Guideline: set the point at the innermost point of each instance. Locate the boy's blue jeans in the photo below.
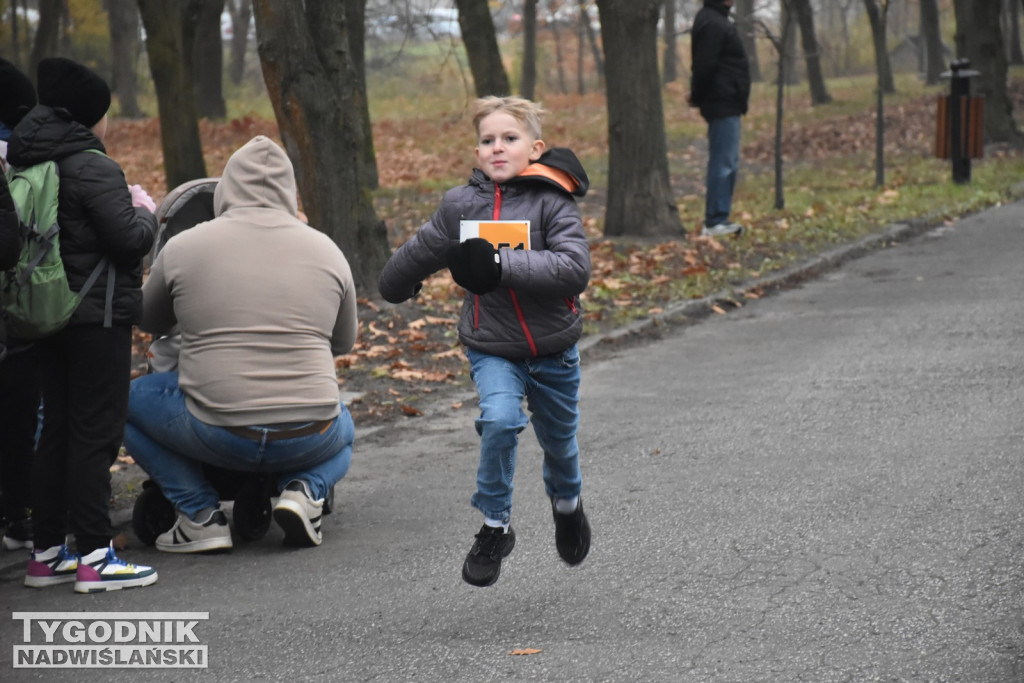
(172, 445)
(723, 167)
(550, 385)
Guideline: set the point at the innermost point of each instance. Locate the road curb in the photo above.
(689, 312)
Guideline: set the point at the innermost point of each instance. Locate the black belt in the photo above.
(257, 433)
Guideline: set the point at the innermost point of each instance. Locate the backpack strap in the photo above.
(108, 306)
(108, 309)
(47, 238)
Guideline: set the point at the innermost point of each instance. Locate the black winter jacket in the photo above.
(10, 234)
(720, 84)
(95, 212)
(10, 245)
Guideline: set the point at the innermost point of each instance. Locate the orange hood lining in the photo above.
(564, 180)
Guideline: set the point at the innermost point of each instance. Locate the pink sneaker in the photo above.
(56, 564)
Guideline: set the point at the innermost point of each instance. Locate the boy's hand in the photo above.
(475, 265)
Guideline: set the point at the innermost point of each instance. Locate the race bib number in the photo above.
(512, 234)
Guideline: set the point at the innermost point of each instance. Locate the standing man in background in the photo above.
(720, 87)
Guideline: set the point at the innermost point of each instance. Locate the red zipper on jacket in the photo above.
(511, 292)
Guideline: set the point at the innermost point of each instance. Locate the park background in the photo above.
(825, 159)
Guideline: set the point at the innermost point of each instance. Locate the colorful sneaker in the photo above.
(187, 536)
(483, 563)
(299, 515)
(18, 535)
(102, 570)
(56, 564)
(572, 534)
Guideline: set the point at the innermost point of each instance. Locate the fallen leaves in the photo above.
(888, 197)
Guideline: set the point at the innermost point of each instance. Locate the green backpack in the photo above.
(34, 295)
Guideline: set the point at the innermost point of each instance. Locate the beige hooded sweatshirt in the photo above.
(263, 302)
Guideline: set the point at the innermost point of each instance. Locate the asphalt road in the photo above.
(823, 485)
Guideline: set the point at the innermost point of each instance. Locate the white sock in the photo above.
(564, 506)
(494, 523)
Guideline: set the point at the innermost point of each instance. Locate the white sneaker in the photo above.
(299, 515)
(721, 230)
(187, 536)
(102, 570)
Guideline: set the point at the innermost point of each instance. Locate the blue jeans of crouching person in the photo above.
(172, 445)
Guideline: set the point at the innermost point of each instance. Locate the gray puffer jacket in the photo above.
(535, 311)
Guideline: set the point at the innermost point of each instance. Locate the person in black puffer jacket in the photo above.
(19, 384)
(19, 97)
(86, 367)
(10, 246)
(720, 87)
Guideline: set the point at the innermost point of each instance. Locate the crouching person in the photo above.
(263, 303)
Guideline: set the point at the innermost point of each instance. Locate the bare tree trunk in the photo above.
(241, 14)
(876, 17)
(310, 68)
(481, 41)
(788, 53)
(812, 52)
(979, 39)
(592, 39)
(640, 200)
(879, 134)
(745, 23)
(581, 85)
(559, 60)
(355, 21)
(847, 52)
(47, 40)
(670, 71)
(528, 83)
(780, 42)
(66, 30)
(1011, 22)
(16, 57)
(179, 127)
(123, 19)
(208, 59)
(932, 38)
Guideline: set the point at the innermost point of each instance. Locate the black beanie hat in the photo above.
(77, 88)
(18, 94)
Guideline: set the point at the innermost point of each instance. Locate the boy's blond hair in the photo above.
(522, 110)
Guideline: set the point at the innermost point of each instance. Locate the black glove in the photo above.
(475, 265)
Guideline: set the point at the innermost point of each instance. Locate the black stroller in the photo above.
(252, 493)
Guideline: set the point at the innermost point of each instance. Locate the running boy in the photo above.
(513, 238)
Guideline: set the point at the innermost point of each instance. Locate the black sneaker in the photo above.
(483, 564)
(572, 534)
